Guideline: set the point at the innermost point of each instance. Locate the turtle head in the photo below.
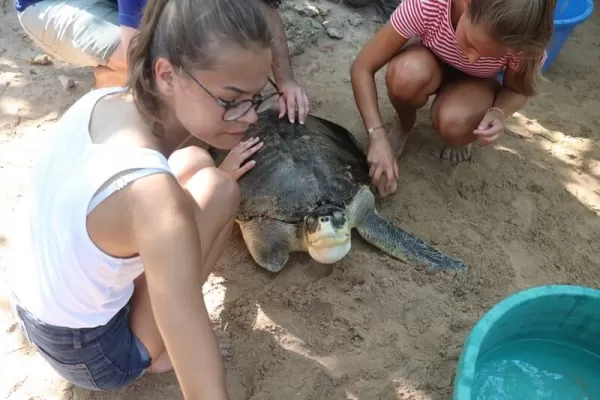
(327, 234)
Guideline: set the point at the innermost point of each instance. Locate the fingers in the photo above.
(249, 147)
(392, 184)
(302, 106)
(245, 145)
(282, 106)
(381, 186)
(490, 135)
(294, 99)
(291, 107)
(377, 175)
(395, 168)
(243, 169)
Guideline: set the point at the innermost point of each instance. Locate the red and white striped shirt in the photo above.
(430, 21)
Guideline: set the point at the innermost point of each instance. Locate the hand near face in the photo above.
(234, 161)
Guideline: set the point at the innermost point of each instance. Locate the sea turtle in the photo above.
(309, 188)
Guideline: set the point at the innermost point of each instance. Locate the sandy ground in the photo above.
(525, 212)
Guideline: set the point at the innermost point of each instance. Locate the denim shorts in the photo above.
(101, 358)
(80, 32)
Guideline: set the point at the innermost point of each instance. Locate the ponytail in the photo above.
(140, 80)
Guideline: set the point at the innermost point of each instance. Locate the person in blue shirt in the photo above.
(97, 33)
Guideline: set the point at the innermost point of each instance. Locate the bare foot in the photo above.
(224, 338)
(456, 154)
(398, 138)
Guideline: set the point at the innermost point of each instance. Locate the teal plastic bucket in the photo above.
(540, 343)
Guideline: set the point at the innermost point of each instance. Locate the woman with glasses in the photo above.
(122, 233)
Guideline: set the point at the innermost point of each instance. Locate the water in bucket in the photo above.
(537, 369)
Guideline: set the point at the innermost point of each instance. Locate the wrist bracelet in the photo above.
(496, 109)
(371, 130)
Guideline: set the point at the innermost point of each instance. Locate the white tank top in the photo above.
(58, 274)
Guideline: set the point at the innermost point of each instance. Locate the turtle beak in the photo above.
(327, 231)
(328, 235)
(329, 244)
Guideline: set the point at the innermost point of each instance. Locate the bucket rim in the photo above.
(579, 18)
(463, 382)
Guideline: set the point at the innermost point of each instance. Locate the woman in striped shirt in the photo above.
(453, 49)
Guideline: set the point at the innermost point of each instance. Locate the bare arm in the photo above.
(377, 52)
(169, 243)
(281, 65)
(507, 99)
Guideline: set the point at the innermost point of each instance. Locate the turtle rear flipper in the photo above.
(270, 241)
(403, 245)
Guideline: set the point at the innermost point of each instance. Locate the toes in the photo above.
(225, 342)
(223, 334)
(456, 155)
(445, 155)
(468, 151)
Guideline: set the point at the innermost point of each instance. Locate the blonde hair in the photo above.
(190, 34)
(524, 25)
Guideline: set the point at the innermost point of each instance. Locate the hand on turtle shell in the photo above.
(234, 161)
(383, 165)
(294, 98)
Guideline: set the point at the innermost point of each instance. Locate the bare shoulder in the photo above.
(116, 120)
(150, 204)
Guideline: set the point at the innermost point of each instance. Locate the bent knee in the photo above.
(455, 125)
(215, 186)
(414, 72)
(184, 163)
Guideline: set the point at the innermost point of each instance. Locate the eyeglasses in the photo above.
(237, 109)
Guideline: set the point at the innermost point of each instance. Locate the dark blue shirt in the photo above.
(130, 11)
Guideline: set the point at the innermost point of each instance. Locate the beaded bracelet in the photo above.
(496, 109)
(371, 130)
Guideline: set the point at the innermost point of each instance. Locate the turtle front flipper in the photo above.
(270, 241)
(393, 240)
(404, 245)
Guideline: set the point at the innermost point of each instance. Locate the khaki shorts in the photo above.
(79, 32)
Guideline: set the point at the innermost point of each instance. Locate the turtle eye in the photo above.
(338, 215)
(311, 223)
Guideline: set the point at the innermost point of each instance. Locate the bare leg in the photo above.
(114, 73)
(457, 111)
(412, 76)
(187, 161)
(217, 196)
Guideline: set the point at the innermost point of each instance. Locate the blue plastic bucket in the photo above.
(567, 15)
(539, 343)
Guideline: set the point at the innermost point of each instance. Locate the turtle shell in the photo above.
(300, 167)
